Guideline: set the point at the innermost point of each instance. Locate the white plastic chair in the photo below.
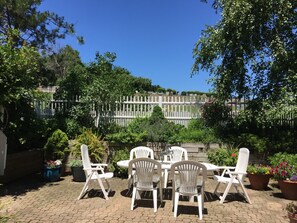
(92, 175)
(139, 152)
(189, 180)
(236, 177)
(147, 177)
(177, 154)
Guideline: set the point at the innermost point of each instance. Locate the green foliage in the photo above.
(75, 163)
(121, 154)
(253, 142)
(18, 73)
(280, 157)
(258, 169)
(285, 171)
(39, 29)
(249, 52)
(223, 156)
(95, 145)
(127, 137)
(196, 132)
(56, 146)
(157, 115)
(62, 63)
(215, 113)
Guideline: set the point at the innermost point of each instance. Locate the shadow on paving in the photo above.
(23, 185)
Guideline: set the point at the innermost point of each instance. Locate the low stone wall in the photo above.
(21, 164)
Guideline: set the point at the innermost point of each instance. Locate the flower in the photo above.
(52, 164)
(259, 169)
(285, 171)
(223, 156)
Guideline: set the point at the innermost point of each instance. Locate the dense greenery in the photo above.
(226, 156)
(56, 146)
(251, 51)
(96, 146)
(38, 29)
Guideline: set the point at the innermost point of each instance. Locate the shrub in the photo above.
(56, 146)
(95, 145)
(122, 154)
(278, 158)
(253, 141)
(223, 156)
(215, 114)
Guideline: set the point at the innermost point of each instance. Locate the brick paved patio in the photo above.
(32, 200)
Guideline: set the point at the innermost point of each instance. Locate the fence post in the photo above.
(160, 101)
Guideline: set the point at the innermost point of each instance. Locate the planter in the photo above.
(78, 174)
(292, 217)
(259, 181)
(51, 174)
(288, 189)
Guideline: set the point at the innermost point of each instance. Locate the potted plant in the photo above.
(291, 208)
(286, 175)
(259, 176)
(52, 170)
(56, 148)
(77, 170)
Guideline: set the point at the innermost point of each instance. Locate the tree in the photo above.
(61, 63)
(36, 28)
(251, 52)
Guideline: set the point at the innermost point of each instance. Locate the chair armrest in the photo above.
(226, 169)
(236, 172)
(99, 164)
(93, 168)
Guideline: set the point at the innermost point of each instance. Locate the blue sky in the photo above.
(152, 38)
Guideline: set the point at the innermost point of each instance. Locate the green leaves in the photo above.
(250, 50)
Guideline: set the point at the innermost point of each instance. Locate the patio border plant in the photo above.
(226, 156)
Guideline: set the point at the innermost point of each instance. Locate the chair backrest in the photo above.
(85, 158)
(242, 162)
(145, 169)
(190, 175)
(178, 153)
(141, 152)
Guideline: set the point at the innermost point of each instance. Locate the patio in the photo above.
(32, 200)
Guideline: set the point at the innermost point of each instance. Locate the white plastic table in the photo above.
(166, 165)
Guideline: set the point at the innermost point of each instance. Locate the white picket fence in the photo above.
(176, 108)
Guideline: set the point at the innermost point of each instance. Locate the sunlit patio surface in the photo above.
(33, 200)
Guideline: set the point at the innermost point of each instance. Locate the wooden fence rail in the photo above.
(176, 108)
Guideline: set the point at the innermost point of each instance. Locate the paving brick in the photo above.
(32, 200)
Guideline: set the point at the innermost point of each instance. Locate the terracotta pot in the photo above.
(288, 189)
(259, 181)
(292, 217)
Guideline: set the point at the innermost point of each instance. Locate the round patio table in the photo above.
(166, 165)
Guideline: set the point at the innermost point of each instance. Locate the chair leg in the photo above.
(199, 198)
(216, 189)
(226, 190)
(133, 197)
(161, 194)
(85, 188)
(101, 186)
(176, 198)
(244, 191)
(165, 178)
(155, 197)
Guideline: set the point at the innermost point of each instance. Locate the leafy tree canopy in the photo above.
(36, 28)
(18, 72)
(252, 51)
